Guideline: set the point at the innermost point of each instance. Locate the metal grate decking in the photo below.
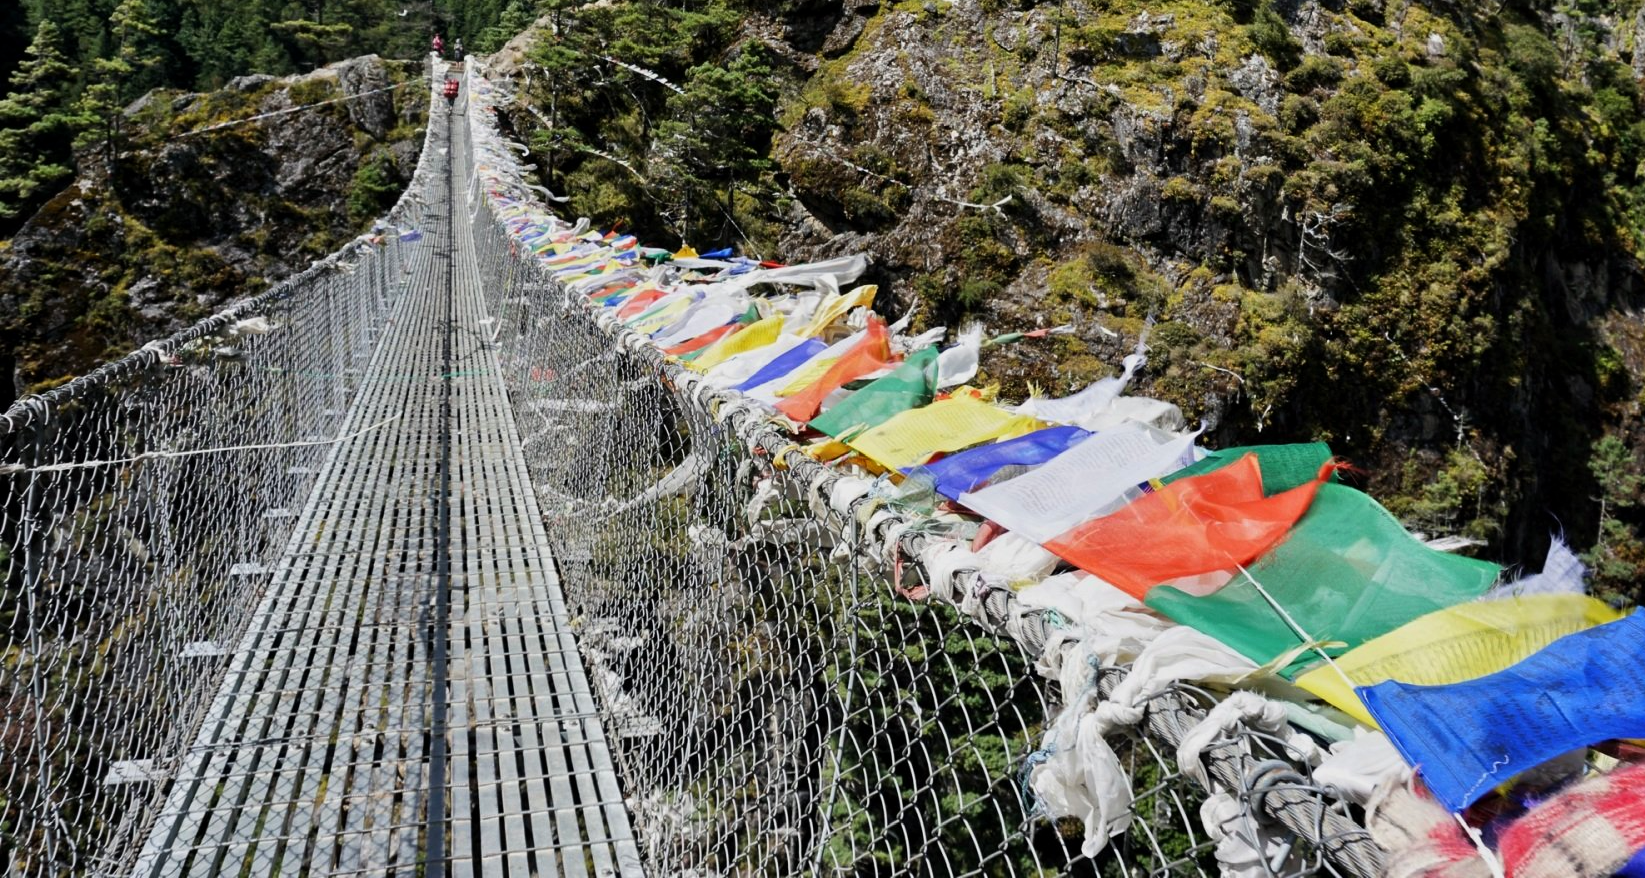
(413, 637)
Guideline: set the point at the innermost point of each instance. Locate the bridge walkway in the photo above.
(412, 640)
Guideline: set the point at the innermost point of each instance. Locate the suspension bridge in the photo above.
(418, 564)
(399, 680)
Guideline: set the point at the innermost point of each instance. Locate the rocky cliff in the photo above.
(1413, 230)
(188, 218)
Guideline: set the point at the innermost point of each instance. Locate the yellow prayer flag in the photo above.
(1458, 643)
(827, 450)
(950, 424)
(686, 251)
(835, 307)
(807, 375)
(662, 317)
(757, 335)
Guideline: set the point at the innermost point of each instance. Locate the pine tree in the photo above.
(718, 138)
(114, 79)
(37, 130)
(1618, 555)
(515, 18)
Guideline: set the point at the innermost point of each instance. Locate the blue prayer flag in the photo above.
(1468, 737)
(958, 473)
(784, 364)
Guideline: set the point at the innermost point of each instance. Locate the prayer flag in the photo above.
(966, 471)
(911, 385)
(1468, 737)
(1206, 524)
(945, 425)
(866, 356)
(1283, 466)
(757, 335)
(1347, 572)
(1094, 477)
(1455, 644)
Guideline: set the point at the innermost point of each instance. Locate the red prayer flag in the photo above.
(702, 341)
(638, 304)
(1191, 527)
(864, 357)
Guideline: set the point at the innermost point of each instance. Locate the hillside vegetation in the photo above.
(127, 219)
(176, 224)
(1411, 230)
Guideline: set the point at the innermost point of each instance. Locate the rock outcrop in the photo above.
(1410, 230)
(188, 220)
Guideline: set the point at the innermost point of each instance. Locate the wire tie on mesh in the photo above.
(1025, 780)
(1264, 778)
(13, 469)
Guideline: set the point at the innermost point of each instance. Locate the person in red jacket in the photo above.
(439, 46)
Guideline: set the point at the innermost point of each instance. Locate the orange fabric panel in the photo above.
(702, 341)
(638, 304)
(1191, 527)
(864, 357)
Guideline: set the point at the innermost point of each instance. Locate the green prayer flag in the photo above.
(1283, 466)
(1347, 573)
(909, 386)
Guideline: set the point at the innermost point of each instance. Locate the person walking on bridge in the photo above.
(457, 49)
(439, 47)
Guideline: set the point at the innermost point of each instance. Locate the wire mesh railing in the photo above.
(141, 507)
(777, 701)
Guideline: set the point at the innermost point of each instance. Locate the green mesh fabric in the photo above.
(1283, 466)
(1348, 572)
(909, 386)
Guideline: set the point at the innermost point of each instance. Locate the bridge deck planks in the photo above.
(314, 757)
